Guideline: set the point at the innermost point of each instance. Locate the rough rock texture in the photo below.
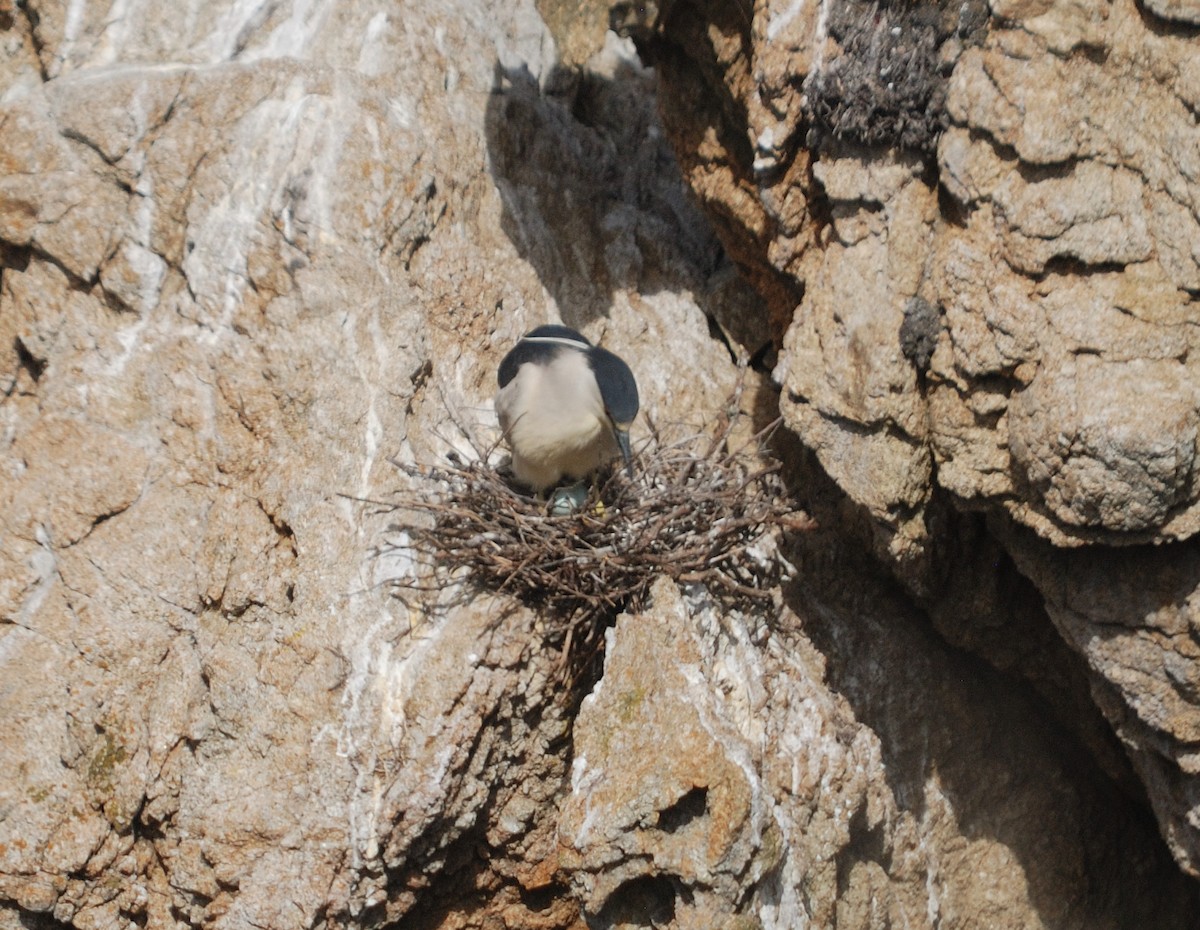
(998, 270)
(249, 253)
(719, 780)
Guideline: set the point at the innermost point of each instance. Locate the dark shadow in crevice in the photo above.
(30, 920)
(687, 810)
(33, 365)
(1163, 28)
(701, 51)
(989, 748)
(648, 901)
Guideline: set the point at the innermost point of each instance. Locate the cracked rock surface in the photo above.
(996, 278)
(248, 253)
(725, 780)
(251, 252)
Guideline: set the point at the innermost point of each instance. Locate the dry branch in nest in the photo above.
(696, 511)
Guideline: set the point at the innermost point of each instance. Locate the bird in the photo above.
(565, 407)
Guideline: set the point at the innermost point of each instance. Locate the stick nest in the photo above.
(695, 512)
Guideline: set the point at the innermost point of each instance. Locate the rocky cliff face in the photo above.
(994, 224)
(249, 253)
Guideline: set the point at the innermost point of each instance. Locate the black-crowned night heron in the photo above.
(565, 407)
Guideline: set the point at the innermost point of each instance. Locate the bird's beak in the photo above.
(622, 435)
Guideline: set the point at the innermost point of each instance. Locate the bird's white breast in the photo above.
(554, 420)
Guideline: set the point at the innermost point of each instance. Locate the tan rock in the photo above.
(1093, 457)
(1052, 241)
(251, 253)
(720, 780)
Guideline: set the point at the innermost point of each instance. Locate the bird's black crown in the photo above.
(531, 348)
